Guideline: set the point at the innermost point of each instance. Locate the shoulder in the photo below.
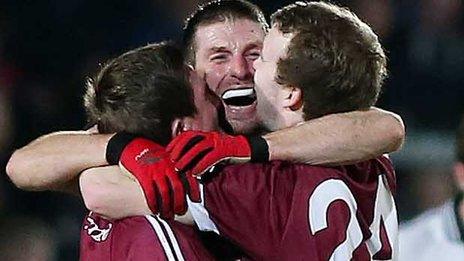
(276, 172)
(131, 227)
(288, 173)
(277, 166)
(138, 232)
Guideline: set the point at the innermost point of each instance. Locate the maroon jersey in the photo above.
(284, 211)
(139, 238)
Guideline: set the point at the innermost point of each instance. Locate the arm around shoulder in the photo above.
(339, 138)
(56, 158)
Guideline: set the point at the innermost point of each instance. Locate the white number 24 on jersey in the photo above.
(334, 189)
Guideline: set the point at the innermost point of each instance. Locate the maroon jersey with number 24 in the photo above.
(284, 211)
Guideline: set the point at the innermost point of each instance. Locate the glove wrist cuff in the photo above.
(116, 145)
(259, 149)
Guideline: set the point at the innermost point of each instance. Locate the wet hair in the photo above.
(333, 57)
(218, 11)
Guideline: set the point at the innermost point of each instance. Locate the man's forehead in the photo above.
(230, 33)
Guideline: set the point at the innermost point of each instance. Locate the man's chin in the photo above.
(245, 126)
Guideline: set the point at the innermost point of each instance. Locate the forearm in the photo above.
(56, 159)
(114, 193)
(339, 138)
(107, 192)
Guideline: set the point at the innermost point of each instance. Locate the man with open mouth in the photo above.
(222, 41)
(237, 29)
(281, 210)
(240, 104)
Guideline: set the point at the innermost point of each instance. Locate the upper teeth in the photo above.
(238, 93)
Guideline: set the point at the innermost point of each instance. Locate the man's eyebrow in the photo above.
(218, 49)
(255, 44)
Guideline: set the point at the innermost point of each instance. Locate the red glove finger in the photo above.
(191, 157)
(179, 141)
(177, 190)
(183, 142)
(194, 187)
(209, 160)
(161, 185)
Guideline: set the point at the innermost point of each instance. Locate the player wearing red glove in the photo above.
(198, 151)
(148, 162)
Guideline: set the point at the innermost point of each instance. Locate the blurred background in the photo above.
(48, 47)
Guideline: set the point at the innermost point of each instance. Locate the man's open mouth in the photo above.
(239, 97)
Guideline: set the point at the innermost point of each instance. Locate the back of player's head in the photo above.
(218, 11)
(141, 92)
(460, 142)
(334, 58)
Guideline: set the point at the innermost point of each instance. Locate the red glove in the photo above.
(164, 188)
(196, 151)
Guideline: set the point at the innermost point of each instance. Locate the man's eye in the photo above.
(218, 58)
(253, 56)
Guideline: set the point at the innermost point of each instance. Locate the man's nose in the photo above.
(241, 68)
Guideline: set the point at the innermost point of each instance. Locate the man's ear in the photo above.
(177, 126)
(294, 98)
(458, 173)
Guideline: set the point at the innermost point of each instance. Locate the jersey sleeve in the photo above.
(389, 171)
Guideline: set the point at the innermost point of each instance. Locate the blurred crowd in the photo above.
(47, 48)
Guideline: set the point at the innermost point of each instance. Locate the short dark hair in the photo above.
(460, 141)
(333, 57)
(218, 11)
(141, 92)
